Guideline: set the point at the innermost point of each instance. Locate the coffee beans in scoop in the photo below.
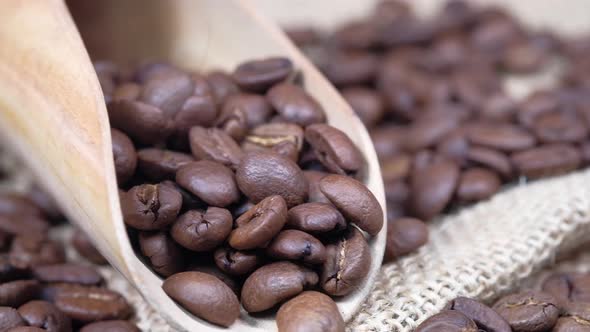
(238, 193)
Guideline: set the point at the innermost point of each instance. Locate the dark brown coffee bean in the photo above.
(45, 315)
(585, 152)
(347, 264)
(254, 107)
(404, 235)
(260, 224)
(560, 127)
(167, 92)
(275, 283)
(528, 311)
(85, 248)
(388, 140)
(124, 155)
(222, 85)
(27, 329)
(150, 206)
(29, 251)
(68, 272)
(16, 204)
(234, 284)
(202, 231)
(454, 146)
(567, 288)
(49, 291)
(572, 324)
(296, 245)
(15, 293)
(10, 318)
(165, 256)
(127, 91)
(295, 105)
(396, 168)
(236, 262)
(504, 137)
(432, 188)
(313, 180)
(534, 105)
(495, 160)
(216, 145)
(358, 205)
(110, 326)
(429, 129)
(481, 314)
(204, 296)
(262, 174)
(197, 110)
(44, 201)
(524, 58)
(366, 103)
(310, 311)
(233, 121)
(22, 224)
(144, 123)
(476, 184)
(355, 35)
(189, 201)
(350, 67)
(448, 321)
(259, 75)
(154, 70)
(498, 108)
(334, 149)
(285, 139)
(546, 160)
(89, 304)
(316, 218)
(210, 181)
(159, 165)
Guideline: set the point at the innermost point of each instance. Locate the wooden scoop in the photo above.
(53, 111)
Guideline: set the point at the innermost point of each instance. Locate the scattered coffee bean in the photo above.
(89, 304)
(15, 293)
(404, 235)
(165, 256)
(528, 311)
(111, 326)
(433, 187)
(448, 320)
(310, 311)
(85, 248)
(476, 184)
(45, 315)
(485, 317)
(204, 296)
(142, 122)
(29, 251)
(547, 160)
(68, 272)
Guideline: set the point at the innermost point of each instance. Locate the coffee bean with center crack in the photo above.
(202, 230)
(528, 311)
(150, 206)
(485, 317)
(448, 321)
(297, 246)
(216, 145)
(316, 218)
(237, 262)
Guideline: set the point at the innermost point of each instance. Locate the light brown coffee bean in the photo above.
(310, 311)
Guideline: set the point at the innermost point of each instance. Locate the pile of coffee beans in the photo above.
(39, 289)
(235, 189)
(562, 304)
(430, 90)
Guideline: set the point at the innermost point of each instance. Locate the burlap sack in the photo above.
(481, 251)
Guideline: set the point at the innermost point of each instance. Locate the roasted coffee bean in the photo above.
(255, 108)
(262, 174)
(10, 318)
(295, 105)
(259, 75)
(429, 129)
(524, 58)
(233, 283)
(165, 256)
(216, 145)
(560, 127)
(9, 272)
(234, 122)
(499, 108)
(347, 264)
(285, 139)
(159, 165)
(68, 272)
(29, 251)
(546, 160)
(89, 304)
(404, 235)
(366, 103)
(482, 315)
(144, 123)
(448, 321)
(260, 224)
(313, 180)
(476, 184)
(275, 283)
(236, 262)
(495, 160)
(454, 146)
(111, 326)
(189, 201)
(572, 324)
(222, 85)
(202, 230)
(316, 218)
(528, 311)
(210, 181)
(296, 245)
(150, 206)
(154, 70)
(15, 293)
(27, 329)
(44, 201)
(15, 204)
(567, 288)
(204, 296)
(197, 110)
(85, 248)
(347, 68)
(124, 155)
(334, 149)
(501, 137)
(388, 140)
(396, 168)
(358, 205)
(432, 188)
(15, 224)
(536, 104)
(127, 91)
(167, 92)
(310, 311)
(45, 315)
